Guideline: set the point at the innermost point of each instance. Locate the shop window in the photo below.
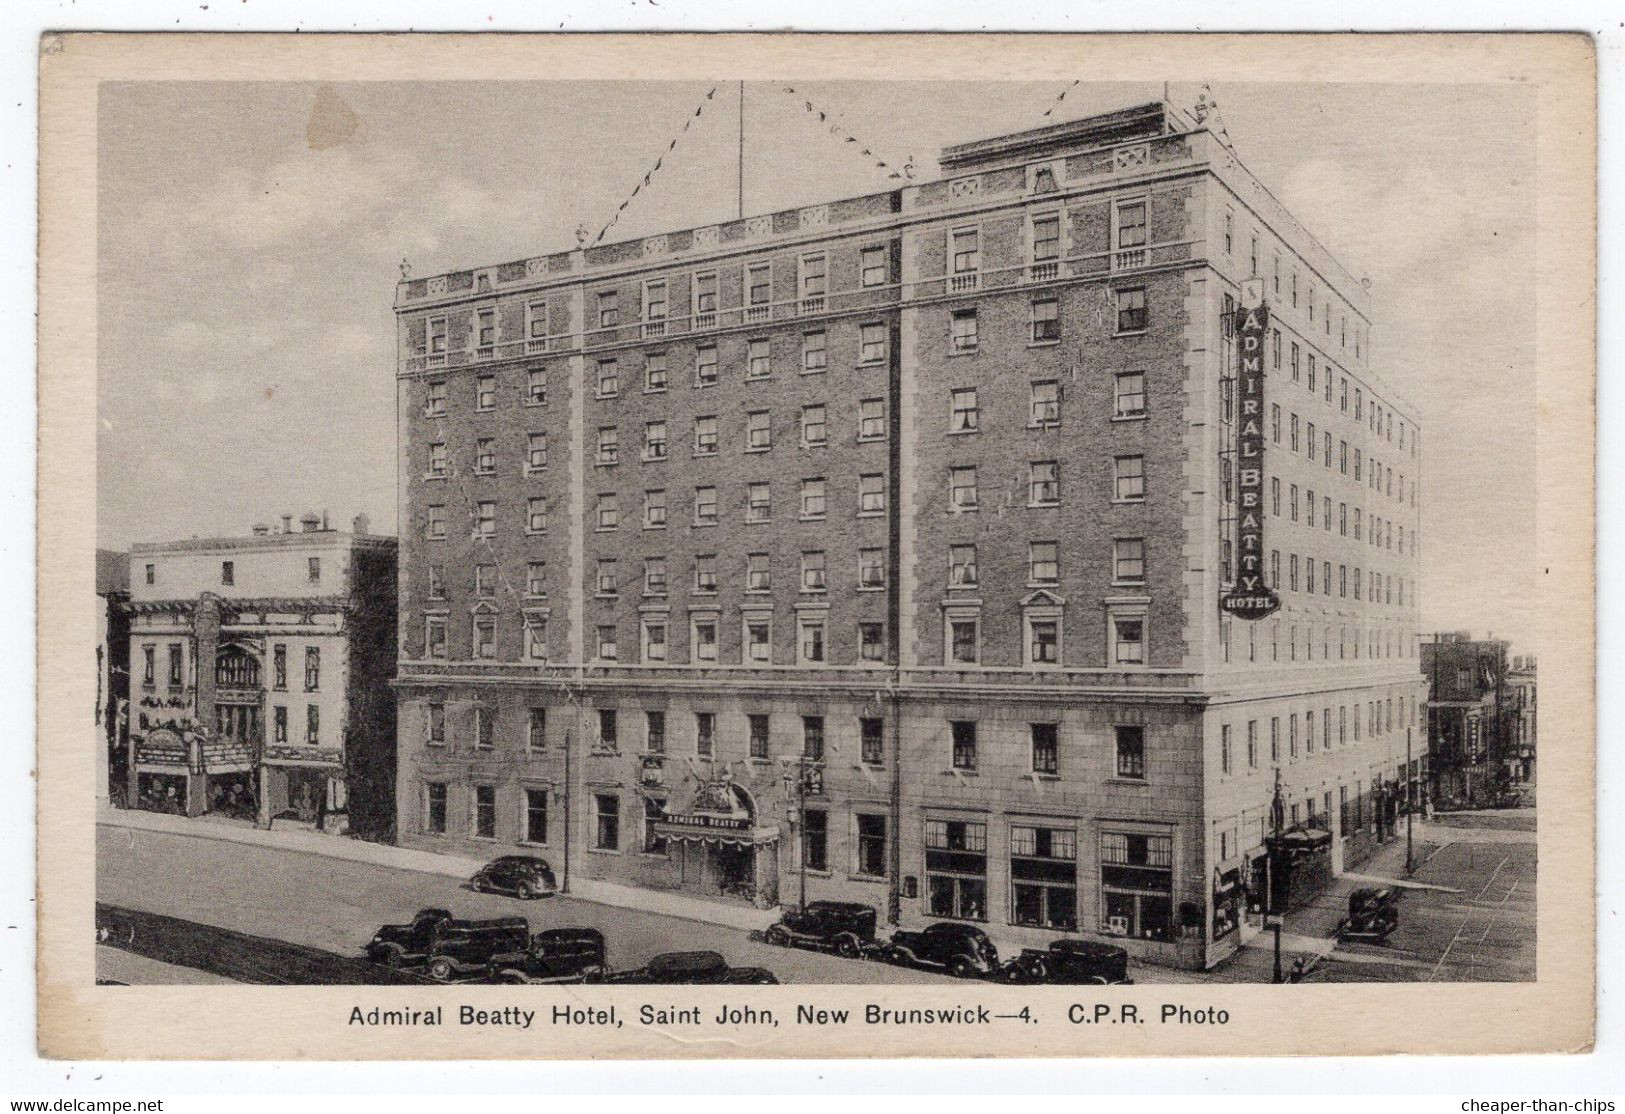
(871, 849)
(815, 839)
(956, 869)
(1044, 877)
(1136, 885)
(607, 822)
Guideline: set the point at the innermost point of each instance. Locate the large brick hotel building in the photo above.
(874, 550)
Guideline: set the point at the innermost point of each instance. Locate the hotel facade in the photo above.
(875, 551)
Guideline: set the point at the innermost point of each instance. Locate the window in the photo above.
(872, 741)
(705, 573)
(872, 641)
(758, 291)
(1046, 320)
(1043, 641)
(654, 302)
(814, 282)
(963, 639)
(814, 430)
(705, 733)
(870, 860)
(313, 669)
(434, 400)
(609, 309)
(815, 839)
(654, 732)
(872, 343)
(654, 440)
(1136, 885)
(279, 668)
(1229, 231)
(486, 327)
(152, 574)
(607, 582)
(485, 637)
(1043, 483)
(485, 581)
(963, 413)
(485, 519)
(871, 419)
(313, 724)
(1130, 742)
(1128, 561)
(608, 729)
(654, 640)
(872, 267)
(758, 637)
(871, 568)
(1046, 748)
(703, 638)
(608, 646)
(313, 570)
(871, 494)
(654, 372)
(758, 503)
(812, 571)
(609, 511)
(1130, 478)
(965, 252)
(536, 387)
(437, 459)
(1044, 877)
(705, 366)
(535, 452)
(962, 488)
(1128, 639)
(811, 643)
(1224, 749)
(607, 826)
(434, 636)
(535, 815)
(758, 735)
(705, 436)
(758, 431)
(956, 869)
(963, 734)
(962, 334)
(705, 506)
(758, 576)
(1130, 394)
(228, 572)
(814, 353)
(485, 393)
(279, 725)
(962, 566)
(434, 807)
(609, 445)
(812, 498)
(1046, 240)
(812, 738)
(1045, 403)
(654, 510)
(1131, 224)
(1043, 563)
(1131, 315)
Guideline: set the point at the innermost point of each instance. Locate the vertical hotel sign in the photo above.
(1251, 598)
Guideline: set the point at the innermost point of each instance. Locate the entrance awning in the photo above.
(707, 830)
(1305, 839)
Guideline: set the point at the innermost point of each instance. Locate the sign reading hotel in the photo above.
(1251, 598)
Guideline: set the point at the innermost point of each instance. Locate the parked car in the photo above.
(963, 950)
(1373, 915)
(1074, 962)
(555, 955)
(446, 947)
(694, 969)
(844, 926)
(524, 876)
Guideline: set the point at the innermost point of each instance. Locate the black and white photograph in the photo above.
(1038, 541)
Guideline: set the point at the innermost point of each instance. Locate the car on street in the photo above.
(1069, 961)
(446, 947)
(523, 876)
(555, 955)
(1373, 915)
(694, 969)
(844, 927)
(963, 950)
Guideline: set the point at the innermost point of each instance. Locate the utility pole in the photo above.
(1271, 905)
(1410, 807)
(801, 811)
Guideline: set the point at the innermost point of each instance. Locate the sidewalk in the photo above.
(429, 862)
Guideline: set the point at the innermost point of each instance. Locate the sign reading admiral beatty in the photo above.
(1251, 598)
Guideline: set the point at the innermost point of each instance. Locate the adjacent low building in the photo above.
(878, 550)
(260, 676)
(112, 673)
(1467, 718)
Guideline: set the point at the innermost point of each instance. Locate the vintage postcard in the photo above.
(728, 546)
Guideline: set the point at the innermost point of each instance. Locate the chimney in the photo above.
(261, 529)
(324, 518)
(309, 521)
(287, 524)
(360, 524)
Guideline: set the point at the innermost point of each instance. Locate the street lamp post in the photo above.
(1410, 804)
(1272, 910)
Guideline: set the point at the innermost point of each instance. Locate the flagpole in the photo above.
(741, 150)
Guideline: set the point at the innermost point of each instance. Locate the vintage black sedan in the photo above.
(1074, 962)
(963, 950)
(694, 969)
(446, 947)
(523, 876)
(844, 927)
(555, 955)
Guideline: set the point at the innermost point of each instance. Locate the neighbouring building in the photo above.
(1467, 718)
(261, 669)
(874, 550)
(1520, 719)
(112, 673)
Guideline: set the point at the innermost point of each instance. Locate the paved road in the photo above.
(334, 906)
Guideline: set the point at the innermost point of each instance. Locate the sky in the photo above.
(250, 236)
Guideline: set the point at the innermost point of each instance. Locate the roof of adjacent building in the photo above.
(112, 572)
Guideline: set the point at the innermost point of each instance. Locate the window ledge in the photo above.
(953, 353)
(953, 771)
(1139, 781)
(1129, 502)
(962, 432)
(534, 402)
(1131, 333)
(604, 851)
(1056, 343)
(427, 476)
(1045, 425)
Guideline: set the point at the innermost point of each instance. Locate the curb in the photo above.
(588, 890)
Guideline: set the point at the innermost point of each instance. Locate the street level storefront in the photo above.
(716, 847)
